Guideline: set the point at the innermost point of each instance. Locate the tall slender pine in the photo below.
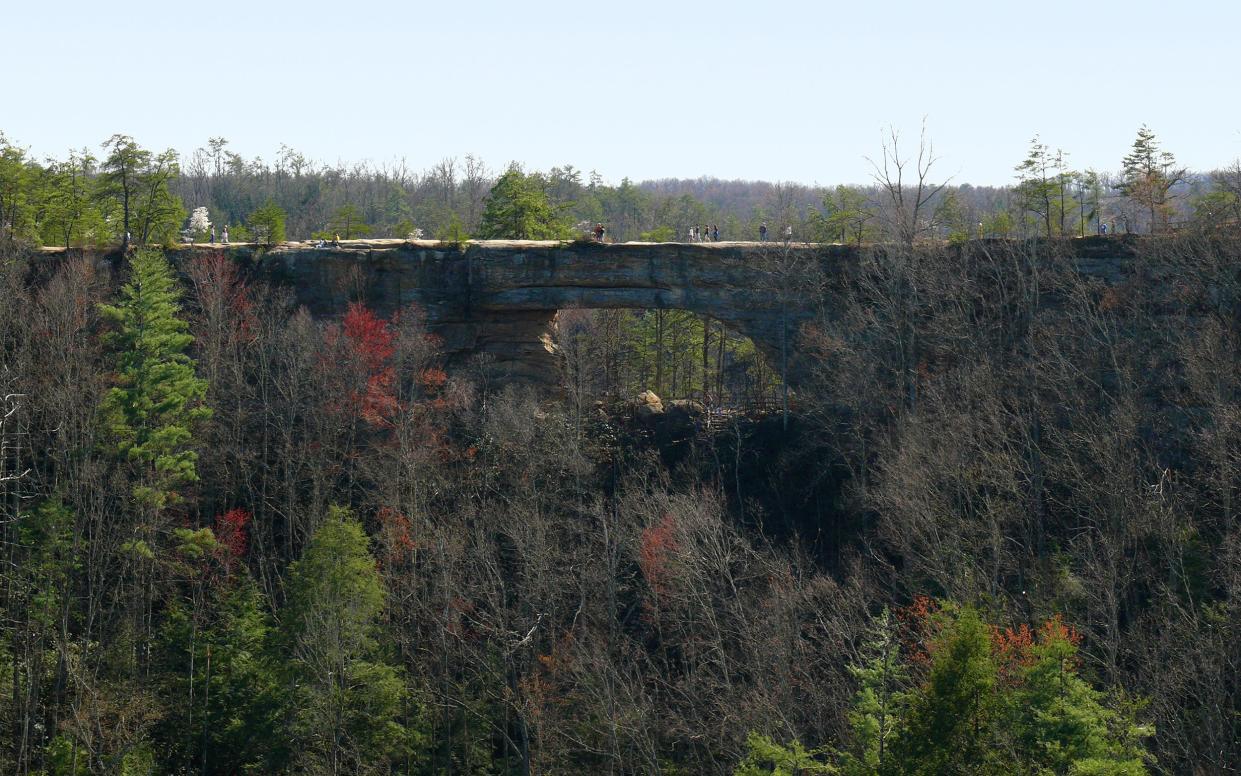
(148, 418)
(158, 398)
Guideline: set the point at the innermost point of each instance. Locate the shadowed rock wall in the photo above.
(500, 298)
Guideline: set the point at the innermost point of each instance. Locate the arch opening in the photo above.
(676, 353)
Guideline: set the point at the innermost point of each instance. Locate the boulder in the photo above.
(688, 407)
(683, 416)
(649, 405)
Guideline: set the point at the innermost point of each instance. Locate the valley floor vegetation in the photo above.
(999, 534)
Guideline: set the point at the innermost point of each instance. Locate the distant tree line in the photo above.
(95, 199)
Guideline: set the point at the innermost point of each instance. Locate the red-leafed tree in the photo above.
(395, 536)
(370, 335)
(657, 547)
(232, 534)
(225, 308)
(363, 346)
(919, 627)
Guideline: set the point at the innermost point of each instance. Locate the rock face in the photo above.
(499, 299)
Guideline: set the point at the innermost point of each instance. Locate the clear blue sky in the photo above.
(777, 90)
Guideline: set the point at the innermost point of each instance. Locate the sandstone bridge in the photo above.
(500, 298)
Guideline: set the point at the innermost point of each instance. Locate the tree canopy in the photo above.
(518, 208)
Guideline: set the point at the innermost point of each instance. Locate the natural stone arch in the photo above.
(500, 298)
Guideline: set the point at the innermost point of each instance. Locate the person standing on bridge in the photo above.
(715, 233)
(693, 234)
(762, 232)
(226, 234)
(788, 233)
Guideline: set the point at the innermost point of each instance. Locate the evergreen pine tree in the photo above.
(949, 728)
(518, 209)
(765, 757)
(1058, 721)
(878, 704)
(347, 698)
(148, 418)
(1149, 175)
(221, 689)
(995, 702)
(267, 224)
(151, 412)
(347, 222)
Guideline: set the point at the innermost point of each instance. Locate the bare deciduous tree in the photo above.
(907, 187)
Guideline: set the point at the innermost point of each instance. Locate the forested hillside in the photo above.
(992, 527)
(998, 532)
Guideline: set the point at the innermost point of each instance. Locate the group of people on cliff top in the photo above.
(762, 232)
(712, 233)
(704, 233)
